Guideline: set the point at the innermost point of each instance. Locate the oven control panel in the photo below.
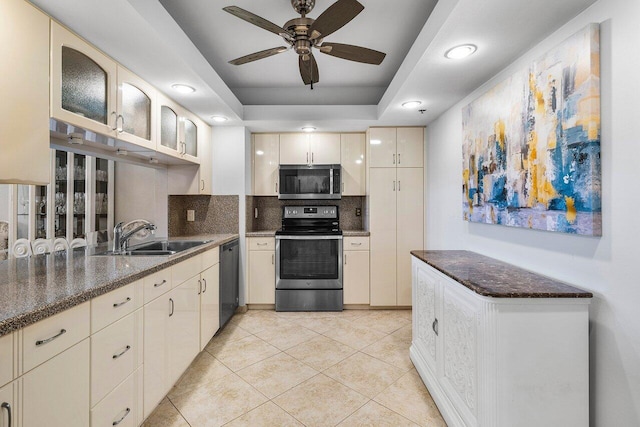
(310, 212)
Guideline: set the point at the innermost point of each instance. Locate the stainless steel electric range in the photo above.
(309, 259)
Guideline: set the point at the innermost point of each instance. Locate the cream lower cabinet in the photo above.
(56, 393)
(209, 304)
(396, 222)
(262, 270)
(121, 407)
(500, 361)
(171, 339)
(355, 271)
(6, 359)
(8, 407)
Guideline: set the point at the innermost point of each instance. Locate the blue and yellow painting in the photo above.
(531, 144)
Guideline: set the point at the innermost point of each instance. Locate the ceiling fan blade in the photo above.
(258, 55)
(308, 70)
(353, 53)
(334, 18)
(254, 19)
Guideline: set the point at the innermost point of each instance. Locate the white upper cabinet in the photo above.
(177, 130)
(266, 159)
(83, 83)
(352, 147)
(24, 112)
(309, 149)
(136, 100)
(396, 147)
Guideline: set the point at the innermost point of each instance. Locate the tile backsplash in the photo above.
(213, 214)
(270, 211)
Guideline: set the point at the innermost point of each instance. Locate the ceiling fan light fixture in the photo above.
(182, 88)
(308, 129)
(219, 119)
(411, 104)
(462, 51)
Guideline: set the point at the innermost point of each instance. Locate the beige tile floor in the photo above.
(303, 369)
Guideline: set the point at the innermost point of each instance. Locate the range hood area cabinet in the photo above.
(310, 149)
(24, 112)
(396, 210)
(270, 150)
(92, 91)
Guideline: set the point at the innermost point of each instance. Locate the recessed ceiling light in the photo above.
(308, 128)
(219, 119)
(461, 51)
(411, 104)
(183, 88)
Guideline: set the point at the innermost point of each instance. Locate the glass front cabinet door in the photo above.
(93, 92)
(178, 131)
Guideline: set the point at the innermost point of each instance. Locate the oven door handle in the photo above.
(308, 237)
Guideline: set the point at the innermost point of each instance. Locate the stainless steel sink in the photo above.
(158, 248)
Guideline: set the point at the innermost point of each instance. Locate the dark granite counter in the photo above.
(493, 278)
(355, 233)
(40, 286)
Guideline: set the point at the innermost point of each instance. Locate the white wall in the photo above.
(231, 146)
(141, 193)
(607, 266)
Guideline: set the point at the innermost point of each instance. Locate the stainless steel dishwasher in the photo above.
(229, 265)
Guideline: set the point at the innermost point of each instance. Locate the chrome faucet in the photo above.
(121, 241)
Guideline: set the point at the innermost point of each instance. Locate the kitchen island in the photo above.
(498, 345)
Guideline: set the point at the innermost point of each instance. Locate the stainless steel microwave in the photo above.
(309, 182)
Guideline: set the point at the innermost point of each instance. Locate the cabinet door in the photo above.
(382, 147)
(24, 112)
(206, 160)
(56, 393)
(168, 126)
(356, 277)
(136, 103)
(184, 327)
(209, 304)
(121, 407)
(83, 83)
(266, 159)
(8, 405)
(410, 147)
(262, 277)
(294, 149)
(325, 148)
(352, 149)
(190, 137)
(382, 220)
(156, 352)
(425, 309)
(6, 359)
(410, 229)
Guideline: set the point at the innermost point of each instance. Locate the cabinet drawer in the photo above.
(356, 243)
(121, 407)
(115, 353)
(6, 359)
(53, 335)
(156, 284)
(262, 244)
(210, 258)
(110, 307)
(186, 270)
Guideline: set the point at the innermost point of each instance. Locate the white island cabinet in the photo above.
(499, 346)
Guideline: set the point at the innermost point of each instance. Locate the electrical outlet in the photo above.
(358, 212)
(191, 215)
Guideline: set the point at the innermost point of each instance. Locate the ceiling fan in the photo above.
(302, 34)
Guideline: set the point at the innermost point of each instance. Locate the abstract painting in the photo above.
(531, 144)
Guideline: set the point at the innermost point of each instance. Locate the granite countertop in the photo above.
(271, 233)
(493, 278)
(40, 286)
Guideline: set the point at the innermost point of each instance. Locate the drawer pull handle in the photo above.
(172, 307)
(6, 406)
(42, 342)
(126, 412)
(155, 285)
(127, 348)
(199, 286)
(434, 326)
(262, 244)
(205, 285)
(118, 304)
(356, 244)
